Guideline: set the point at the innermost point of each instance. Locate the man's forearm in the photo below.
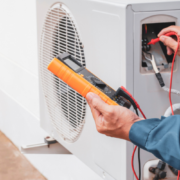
(160, 137)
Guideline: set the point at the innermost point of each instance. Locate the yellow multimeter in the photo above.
(69, 70)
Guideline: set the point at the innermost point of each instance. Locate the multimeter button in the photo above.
(98, 83)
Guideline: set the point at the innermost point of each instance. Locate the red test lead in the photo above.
(154, 41)
(137, 105)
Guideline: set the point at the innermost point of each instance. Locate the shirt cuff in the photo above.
(140, 131)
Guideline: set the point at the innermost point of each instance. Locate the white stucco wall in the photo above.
(19, 71)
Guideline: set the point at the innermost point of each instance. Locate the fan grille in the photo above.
(66, 107)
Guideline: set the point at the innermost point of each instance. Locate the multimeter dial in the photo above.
(107, 90)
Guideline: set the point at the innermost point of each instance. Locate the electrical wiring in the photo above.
(137, 112)
(172, 75)
(158, 75)
(142, 113)
(132, 163)
(139, 162)
(173, 91)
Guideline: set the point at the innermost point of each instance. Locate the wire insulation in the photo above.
(154, 65)
(139, 162)
(172, 67)
(173, 91)
(142, 113)
(132, 163)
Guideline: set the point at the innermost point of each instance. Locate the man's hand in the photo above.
(169, 42)
(114, 121)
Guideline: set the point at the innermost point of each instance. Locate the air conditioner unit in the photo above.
(105, 36)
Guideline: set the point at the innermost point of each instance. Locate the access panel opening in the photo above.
(150, 31)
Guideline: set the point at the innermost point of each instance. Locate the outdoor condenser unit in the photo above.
(106, 37)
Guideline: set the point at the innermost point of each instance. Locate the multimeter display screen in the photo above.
(72, 64)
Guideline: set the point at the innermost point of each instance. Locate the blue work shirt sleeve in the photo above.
(161, 137)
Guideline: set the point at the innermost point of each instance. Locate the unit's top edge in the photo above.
(154, 5)
(148, 5)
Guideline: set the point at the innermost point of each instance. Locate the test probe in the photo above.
(154, 41)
